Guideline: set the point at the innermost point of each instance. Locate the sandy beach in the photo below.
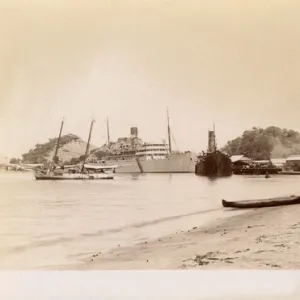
(265, 238)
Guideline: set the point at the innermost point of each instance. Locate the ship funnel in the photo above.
(133, 136)
(211, 141)
(134, 132)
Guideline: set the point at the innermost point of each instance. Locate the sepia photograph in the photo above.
(155, 137)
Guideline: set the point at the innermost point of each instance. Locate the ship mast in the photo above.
(108, 136)
(57, 145)
(88, 145)
(169, 133)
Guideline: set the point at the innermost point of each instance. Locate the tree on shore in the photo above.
(75, 160)
(15, 160)
(259, 143)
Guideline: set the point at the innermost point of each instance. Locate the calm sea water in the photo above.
(45, 224)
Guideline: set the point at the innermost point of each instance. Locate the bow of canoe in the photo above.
(280, 201)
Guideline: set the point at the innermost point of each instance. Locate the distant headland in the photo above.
(257, 143)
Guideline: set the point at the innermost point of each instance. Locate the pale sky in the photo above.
(233, 62)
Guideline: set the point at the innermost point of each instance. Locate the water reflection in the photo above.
(135, 176)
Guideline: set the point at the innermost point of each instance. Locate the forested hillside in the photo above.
(259, 143)
(71, 150)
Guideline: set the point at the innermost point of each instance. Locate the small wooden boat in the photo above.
(262, 202)
(86, 172)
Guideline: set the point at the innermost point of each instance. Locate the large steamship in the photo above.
(135, 156)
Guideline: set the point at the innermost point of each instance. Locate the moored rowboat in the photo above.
(93, 173)
(262, 202)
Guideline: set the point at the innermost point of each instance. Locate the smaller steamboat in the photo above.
(213, 162)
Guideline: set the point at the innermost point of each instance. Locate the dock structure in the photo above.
(256, 171)
(245, 166)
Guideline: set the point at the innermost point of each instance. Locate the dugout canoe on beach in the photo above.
(288, 200)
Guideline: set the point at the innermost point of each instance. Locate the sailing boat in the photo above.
(85, 172)
(160, 158)
(213, 162)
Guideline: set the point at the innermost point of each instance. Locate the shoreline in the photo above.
(265, 238)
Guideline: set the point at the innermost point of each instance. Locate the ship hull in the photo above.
(124, 166)
(66, 178)
(175, 163)
(214, 164)
(74, 177)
